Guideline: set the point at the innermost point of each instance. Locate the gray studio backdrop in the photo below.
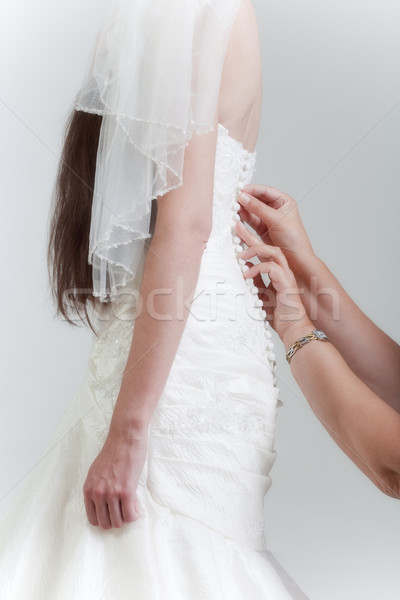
(330, 138)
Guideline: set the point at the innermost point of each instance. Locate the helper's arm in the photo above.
(370, 353)
(365, 427)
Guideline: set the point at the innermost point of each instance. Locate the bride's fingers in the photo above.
(258, 248)
(115, 512)
(91, 511)
(137, 505)
(103, 516)
(129, 510)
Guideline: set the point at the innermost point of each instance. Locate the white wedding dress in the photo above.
(201, 534)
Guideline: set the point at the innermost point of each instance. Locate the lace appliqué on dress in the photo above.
(199, 403)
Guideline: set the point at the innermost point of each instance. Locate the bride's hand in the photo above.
(281, 297)
(111, 484)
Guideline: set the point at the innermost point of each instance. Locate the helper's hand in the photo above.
(111, 484)
(275, 218)
(281, 297)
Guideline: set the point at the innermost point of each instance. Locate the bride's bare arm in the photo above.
(183, 225)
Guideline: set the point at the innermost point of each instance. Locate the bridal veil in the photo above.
(154, 75)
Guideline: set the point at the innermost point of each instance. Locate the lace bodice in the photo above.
(234, 168)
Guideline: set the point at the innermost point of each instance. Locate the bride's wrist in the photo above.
(130, 429)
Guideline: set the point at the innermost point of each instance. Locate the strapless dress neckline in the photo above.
(226, 132)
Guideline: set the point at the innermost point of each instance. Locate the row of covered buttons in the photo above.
(258, 303)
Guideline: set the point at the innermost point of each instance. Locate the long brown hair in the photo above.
(69, 272)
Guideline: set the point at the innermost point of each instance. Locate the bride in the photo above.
(152, 484)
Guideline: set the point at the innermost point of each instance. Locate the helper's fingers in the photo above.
(278, 275)
(265, 267)
(252, 241)
(252, 220)
(268, 195)
(268, 215)
(282, 279)
(258, 248)
(264, 290)
(267, 293)
(259, 282)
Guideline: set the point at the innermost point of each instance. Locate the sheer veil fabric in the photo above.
(154, 75)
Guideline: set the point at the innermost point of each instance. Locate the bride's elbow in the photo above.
(189, 226)
(190, 236)
(200, 231)
(193, 228)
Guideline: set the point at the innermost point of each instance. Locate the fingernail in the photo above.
(244, 198)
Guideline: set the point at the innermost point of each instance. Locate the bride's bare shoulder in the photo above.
(241, 86)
